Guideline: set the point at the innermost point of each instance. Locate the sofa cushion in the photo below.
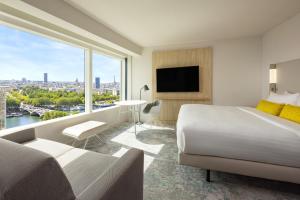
(83, 168)
(53, 148)
(123, 180)
(28, 174)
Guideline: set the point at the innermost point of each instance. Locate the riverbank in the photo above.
(17, 118)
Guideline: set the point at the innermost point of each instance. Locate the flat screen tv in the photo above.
(178, 79)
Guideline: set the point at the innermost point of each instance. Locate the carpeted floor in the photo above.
(165, 179)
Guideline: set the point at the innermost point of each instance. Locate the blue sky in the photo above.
(26, 55)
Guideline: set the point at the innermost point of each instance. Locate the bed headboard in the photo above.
(288, 76)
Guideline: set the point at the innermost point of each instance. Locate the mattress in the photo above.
(241, 133)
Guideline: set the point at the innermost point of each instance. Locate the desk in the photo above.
(132, 104)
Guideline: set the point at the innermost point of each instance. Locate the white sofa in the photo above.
(43, 169)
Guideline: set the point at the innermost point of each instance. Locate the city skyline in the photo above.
(24, 79)
(23, 53)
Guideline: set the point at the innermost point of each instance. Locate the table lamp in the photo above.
(144, 88)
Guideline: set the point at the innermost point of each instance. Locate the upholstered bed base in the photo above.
(242, 167)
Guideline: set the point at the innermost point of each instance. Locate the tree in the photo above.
(40, 101)
(104, 97)
(12, 102)
(53, 115)
(36, 96)
(68, 101)
(62, 101)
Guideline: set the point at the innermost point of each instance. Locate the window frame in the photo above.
(122, 72)
(89, 49)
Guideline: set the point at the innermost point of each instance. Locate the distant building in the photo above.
(115, 92)
(45, 77)
(97, 81)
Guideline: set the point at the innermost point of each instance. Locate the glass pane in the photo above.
(106, 81)
(44, 78)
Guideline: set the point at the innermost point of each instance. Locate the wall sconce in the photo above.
(273, 79)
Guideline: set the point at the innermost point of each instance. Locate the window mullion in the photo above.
(88, 59)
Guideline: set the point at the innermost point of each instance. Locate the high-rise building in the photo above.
(2, 107)
(97, 81)
(45, 77)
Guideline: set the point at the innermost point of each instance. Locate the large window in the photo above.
(106, 80)
(44, 79)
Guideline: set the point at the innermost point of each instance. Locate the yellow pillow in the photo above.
(269, 107)
(291, 113)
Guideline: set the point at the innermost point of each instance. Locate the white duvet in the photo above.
(242, 133)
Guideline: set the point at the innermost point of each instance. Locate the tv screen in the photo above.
(178, 79)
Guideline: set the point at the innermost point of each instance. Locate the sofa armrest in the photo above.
(19, 136)
(124, 180)
(29, 174)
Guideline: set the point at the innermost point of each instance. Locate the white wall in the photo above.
(141, 74)
(280, 44)
(236, 70)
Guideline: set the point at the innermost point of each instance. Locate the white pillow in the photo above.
(298, 101)
(286, 92)
(284, 98)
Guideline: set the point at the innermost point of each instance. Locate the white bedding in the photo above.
(242, 133)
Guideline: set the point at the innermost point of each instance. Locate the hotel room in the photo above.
(140, 99)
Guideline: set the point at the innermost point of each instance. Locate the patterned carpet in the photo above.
(165, 179)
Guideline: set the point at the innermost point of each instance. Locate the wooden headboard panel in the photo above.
(171, 101)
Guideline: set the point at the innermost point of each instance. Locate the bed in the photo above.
(239, 140)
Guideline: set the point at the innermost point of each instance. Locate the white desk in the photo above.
(132, 104)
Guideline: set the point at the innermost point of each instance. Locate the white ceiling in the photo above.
(168, 22)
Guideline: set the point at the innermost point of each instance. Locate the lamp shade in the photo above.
(273, 76)
(146, 87)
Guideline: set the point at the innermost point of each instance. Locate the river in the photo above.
(27, 119)
(19, 121)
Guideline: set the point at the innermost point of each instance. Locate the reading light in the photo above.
(273, 79)
(273, 76)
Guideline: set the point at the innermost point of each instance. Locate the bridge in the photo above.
(34, 111)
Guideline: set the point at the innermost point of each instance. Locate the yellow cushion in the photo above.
(269, 107)
(291, 113)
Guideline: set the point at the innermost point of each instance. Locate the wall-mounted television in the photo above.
(178, 79)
